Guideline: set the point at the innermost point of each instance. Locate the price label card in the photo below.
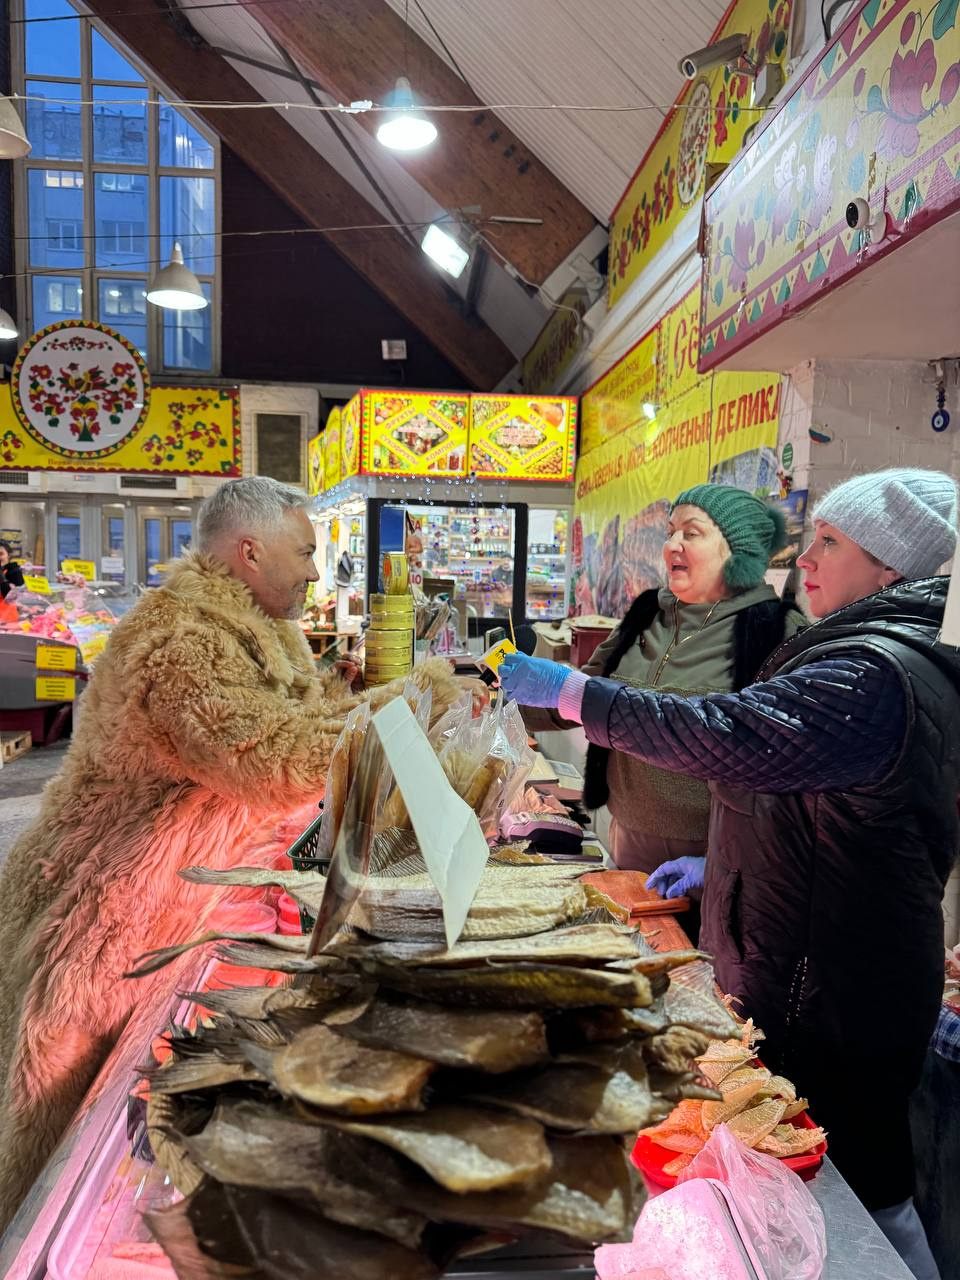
(493, 657)
(40, 586)
(55, 689)
(93, 647)
(56, 657)
(85, 568)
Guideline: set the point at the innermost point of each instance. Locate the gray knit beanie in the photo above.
(905, 517)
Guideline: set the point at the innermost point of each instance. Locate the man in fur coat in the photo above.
(203, 719)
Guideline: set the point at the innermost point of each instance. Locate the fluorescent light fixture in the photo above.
(405, 129)
(175, 287)
(649, 410)
(446, 252)
(8, 326)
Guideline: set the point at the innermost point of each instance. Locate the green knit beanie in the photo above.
(754, 530)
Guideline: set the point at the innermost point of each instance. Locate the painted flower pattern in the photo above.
(912, 74)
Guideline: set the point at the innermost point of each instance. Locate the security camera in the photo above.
(860, 217)
(714, 55)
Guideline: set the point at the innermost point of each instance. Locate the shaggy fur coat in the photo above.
(203, 719)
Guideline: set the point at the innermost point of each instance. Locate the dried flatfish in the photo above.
(587, 1196)
(486, 1040)
(754, 1124)
(192, 1074)
(674, 1049)
(578, 944)
(265, 1002)
(220, 1232)
(687, 1007)
(462, 1148)
(596, 1026)
(611, 1097)
(329, 1070)
(514, 986)
(253, 1144)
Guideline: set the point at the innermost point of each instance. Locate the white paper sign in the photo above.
(447, 829)
(950, 631)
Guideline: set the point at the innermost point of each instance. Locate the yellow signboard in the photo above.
(557, 343)
(616, 401)
(56, 657)
(55, 689)
(350, 416)
(315, 465)
(331, 451)
(706, 126)
(80, 568)
(523, 438)
(186, 431)
(679, 348)
(36, 583)
(414, 433)
(93, 647)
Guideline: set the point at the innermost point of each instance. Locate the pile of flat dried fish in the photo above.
(405, 1104)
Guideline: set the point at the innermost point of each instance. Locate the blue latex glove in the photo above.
(680, 878)
(534, 682)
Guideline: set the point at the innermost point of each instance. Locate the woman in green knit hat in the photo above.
(708, 630)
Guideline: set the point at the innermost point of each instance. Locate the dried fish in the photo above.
(253, 1144)
(687, 1007)
(515, 986)
(220, 1232)
(266, 1002)
(194, 1074)
(582, 1099)
(305, 886)
(577, 944)
(462, 1148)
(487, 1040)
(754, 1124)
(326, 1069)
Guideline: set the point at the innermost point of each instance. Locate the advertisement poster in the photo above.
(415, 433)
(522, 438)
(350, 416)
(794, 508)
(615, 402)
(315, 466)
(331, 450)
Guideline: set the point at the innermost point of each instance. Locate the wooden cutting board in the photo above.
(629, 896)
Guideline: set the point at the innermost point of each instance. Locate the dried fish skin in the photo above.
(753, 1125)
(333, 1072)
(578, 1098)
(589, 1196)
(195, 1074)
(493, 1040)
(575, 944)
(225, 1233)
(686, 1007)
(515, 986)
(461, 1148)
(265, 1002)
(253, 1144)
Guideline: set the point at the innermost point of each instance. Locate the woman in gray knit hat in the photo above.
(834, 823)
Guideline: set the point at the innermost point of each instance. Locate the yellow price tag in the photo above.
(55, 689)
(85, 568)
(93, 647)
(85, 620)
(39, 585)
(493, 657)
(56, 657)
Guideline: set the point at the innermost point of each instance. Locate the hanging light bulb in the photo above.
(405, 129)
(13, 139)
(8, 326)
(175, 287)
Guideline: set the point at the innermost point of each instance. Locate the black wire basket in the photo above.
(304, 854)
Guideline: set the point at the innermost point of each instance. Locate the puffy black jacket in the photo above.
(833, 830)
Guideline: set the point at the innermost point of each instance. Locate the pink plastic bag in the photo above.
(735, 1214)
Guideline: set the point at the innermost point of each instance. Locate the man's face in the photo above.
(4, 555)
(278, 567)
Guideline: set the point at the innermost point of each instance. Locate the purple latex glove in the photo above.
(534, 682)
(681, 878)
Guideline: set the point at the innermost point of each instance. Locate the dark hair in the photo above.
(7, 547)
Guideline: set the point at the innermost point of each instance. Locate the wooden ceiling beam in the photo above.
(301, 177)
(357, 48)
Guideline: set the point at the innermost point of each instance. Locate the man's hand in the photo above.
(679, 878)
(534, 682)
(350, 671)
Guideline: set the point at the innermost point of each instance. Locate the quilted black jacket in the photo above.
(833, 828)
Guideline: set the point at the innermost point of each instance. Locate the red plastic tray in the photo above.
(650, 1157)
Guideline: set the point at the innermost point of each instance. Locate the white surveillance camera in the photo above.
(860, 217)
(714, 55)
(858, 214)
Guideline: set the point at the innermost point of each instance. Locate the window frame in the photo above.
(90, 275)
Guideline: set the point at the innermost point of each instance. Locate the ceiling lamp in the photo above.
(176, 288)
(446, 252)
(405, 129)
(13, 139)
(649, 410)
(8, 326)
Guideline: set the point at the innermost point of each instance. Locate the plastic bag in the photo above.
(730, 1204)
(487, 761)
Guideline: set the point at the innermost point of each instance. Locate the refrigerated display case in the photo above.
(548, 571)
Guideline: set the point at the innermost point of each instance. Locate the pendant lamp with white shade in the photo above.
(175, 287)
(405, 128)
(13, 139)
(8, 326)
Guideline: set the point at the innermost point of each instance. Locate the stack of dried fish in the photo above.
(406, 1104)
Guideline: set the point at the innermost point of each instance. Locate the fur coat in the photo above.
(203, 719)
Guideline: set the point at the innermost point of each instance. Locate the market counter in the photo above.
(84, 1214)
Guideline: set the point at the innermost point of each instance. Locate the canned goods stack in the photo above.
(389, 642)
